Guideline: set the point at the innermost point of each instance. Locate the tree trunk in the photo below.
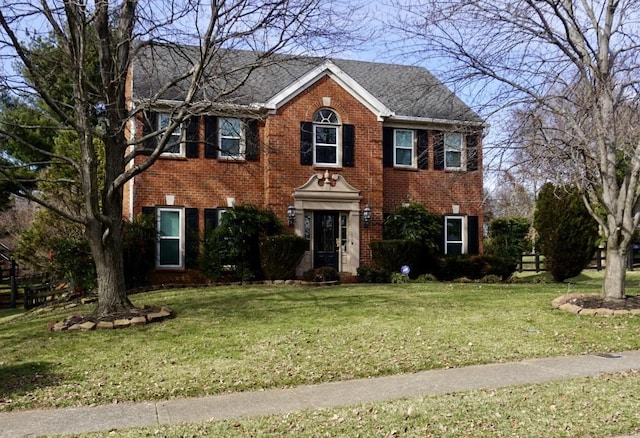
(615, 271)
(107, 255)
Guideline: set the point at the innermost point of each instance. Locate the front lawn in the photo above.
(237, 338)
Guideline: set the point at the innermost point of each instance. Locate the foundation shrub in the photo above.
(372, 274)
(320, 275)
(279, 255)
(390, 255)
(474, 267)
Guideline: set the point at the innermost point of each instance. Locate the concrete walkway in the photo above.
(276, 401)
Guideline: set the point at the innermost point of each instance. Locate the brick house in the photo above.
(334, 144)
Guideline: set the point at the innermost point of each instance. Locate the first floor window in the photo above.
(453, 150)
(231, 138)
(174, 144)
(403, 148)
(170, 238)
(454, 235)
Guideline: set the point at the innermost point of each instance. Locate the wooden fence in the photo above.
(534, 262)
(8, 275)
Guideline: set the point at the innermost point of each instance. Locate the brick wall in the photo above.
(270, 181)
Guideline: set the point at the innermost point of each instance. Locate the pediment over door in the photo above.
(327, 192)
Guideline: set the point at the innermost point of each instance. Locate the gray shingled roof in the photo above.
(408, 91)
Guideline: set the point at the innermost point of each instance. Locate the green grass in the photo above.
(244, 338)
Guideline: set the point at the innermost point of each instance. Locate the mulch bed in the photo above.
(630, 302)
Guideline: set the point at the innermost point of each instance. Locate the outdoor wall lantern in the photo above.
(291, 214)
(366, 215)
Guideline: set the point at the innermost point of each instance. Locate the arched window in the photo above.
(326, 137)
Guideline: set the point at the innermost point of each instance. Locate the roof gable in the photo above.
(328, 68)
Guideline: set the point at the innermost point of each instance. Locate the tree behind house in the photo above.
(508, 237)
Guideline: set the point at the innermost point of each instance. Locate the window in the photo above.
(454, 235)
(403, 148)
(170, 238)
(175, 143)
(343, 232)
(453, 150)
(325, 137)
(232, 142)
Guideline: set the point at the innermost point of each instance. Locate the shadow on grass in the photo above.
(24, 378)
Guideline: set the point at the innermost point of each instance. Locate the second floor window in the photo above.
(403, 148)
(232, 144)
(325, 135)
(453, 150)
(175, 143)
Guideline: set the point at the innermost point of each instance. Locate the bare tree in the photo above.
(98, 42)
(575, 66)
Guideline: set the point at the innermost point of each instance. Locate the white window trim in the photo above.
(338, 144)
(462, 152)
(180, 131)
(181, 243)
(464, 232)
(413, 164)
(243, 141)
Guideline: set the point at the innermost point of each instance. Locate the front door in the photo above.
(325, 239)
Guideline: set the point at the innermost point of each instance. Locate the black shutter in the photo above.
(442, 244)
(423, 153)
(210, 137)
(438, 150)
(192, 238)
(251, 137)
(472, 152)
(149, 124)
(210, 219)
(473, 240)
(348, 145)
(306, 143)
(149, 211)
(387, 147)
(192, 137)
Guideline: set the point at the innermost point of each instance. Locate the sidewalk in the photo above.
(121, 416)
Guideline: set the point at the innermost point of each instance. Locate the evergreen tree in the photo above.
(568, 234)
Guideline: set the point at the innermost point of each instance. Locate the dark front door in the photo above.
(325, 239)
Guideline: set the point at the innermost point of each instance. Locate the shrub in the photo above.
(279, 255)
(414, 222)
(508, 237)
(369, 274)
(474, 267)
(426, 278)
(490, 279)
(71, 260)
(234, 245)
(397, 277)
(568, 235)
(391, 255)
(139, 250)
(323, 274)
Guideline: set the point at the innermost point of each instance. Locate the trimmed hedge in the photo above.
(279, 255)
(391, 255)
(474, 267)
